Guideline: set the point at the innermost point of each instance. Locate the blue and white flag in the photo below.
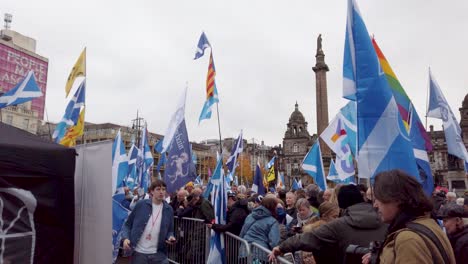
(335, 177)
(199, 180)
(203, 44)
(119, 164)
(294, 186)
(439, 108)
(161, 162)
(313, 165)
(236, 180)
(23, 92)
(132, 173)
(219, 201)
(119, 215)
(257, 185)
(176, 119)
(72, 113)
(179, 166)
(158, 147)
(232, 162)
(280, 181)
(144, 162)
(270, 163)
(299, 184)
(383, 143)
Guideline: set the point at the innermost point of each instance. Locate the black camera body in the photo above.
(354, 253)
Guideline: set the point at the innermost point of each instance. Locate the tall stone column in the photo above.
(320, 70)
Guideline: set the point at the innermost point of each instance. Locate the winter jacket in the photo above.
(202, 209)
(359, 225)
(406, 246)
(138, 218)
(261, 227)
(235, 218)
(459, 242)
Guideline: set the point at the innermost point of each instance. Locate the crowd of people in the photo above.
(391, 222)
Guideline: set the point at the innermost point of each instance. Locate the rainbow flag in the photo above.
(405, 106)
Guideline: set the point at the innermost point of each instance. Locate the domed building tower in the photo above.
(296, 144)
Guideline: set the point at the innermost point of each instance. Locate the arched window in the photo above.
(295, 148)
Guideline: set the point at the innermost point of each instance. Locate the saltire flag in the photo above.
(119, 164)
(198, 180)
(439, 108)
(132, 173)
(280, 181)
(270, 163)
(348, 117)
(179, 167)
(335, 177)
(158, 147)
(271, 174)
(219, 201)
(299, 183)
(26, 90)
(313, 165)
(144, 162)
(383, 143)
(78, 70)
(232, 161)
(119, 215)
(295, 186)
(416, 129)
(211, 91)
(73, 132)
(177, 118)
(257, 185)
(72, 113)
(203, 44)
(210, 185)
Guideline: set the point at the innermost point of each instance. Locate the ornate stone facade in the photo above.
(296, 143)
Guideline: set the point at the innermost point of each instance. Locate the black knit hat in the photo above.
(349, 195)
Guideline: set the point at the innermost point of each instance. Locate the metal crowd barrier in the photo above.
(237, 249)
(193, 246)
(193, 241)
(260, 255)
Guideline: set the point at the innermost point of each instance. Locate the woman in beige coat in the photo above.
(403, 205)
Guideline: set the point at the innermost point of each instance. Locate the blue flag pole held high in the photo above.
(119, 164)
(219, 201)
(439, 108)
(383, 143)
(132, 174)
(232, 162)
(313, 165)
(23, 92)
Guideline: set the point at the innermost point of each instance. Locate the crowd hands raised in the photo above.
(392, 222)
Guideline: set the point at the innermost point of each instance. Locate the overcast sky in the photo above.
(140, 56)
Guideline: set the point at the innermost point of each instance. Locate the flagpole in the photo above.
(83, 141)
(427, 97)
(219, 129)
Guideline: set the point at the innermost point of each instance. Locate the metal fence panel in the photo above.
(260, 255)
(192, 241)
(237, 249)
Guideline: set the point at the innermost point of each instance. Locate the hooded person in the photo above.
(359, 225)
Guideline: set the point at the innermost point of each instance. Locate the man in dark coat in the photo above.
(236, 214)
(452, 216)
(359, 225)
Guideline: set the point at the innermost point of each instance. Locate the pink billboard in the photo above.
(14, 65)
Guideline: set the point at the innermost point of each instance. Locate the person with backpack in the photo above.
(413, 236)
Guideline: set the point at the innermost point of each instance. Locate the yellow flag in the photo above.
(73, 132)
(78, 70)
(271, 174)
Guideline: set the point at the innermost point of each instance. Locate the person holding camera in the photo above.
(413, 237)
(359, 225)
